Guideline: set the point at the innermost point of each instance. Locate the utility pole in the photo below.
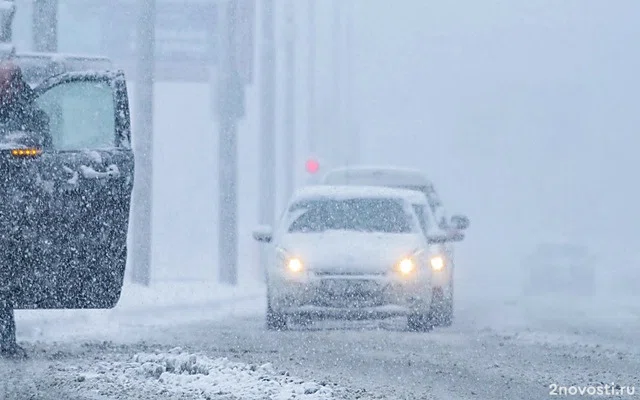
(352, 134)
(266, 194)
(7, 13)
(311, 79)
(338, 140)
(230, 103)
(143, 143)
(289, 103)
(45, 25)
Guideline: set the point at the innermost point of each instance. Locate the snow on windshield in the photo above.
(362, 215)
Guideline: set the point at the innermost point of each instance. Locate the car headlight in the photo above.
(291, 264)
(294, 265)
(437, 263)
(406, 266)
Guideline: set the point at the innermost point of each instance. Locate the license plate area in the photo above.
(349, 293)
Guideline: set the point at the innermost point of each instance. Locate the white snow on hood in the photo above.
(362, 250)
(180, 373)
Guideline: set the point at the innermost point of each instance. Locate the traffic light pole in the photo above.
(351, 120)
(143, 144)
(337, 142)
(311, 79)
(266, 193)
(229, 110)
(289, 103)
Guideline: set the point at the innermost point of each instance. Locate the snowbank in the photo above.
(179, 373)
(160, 304)
(176, 294)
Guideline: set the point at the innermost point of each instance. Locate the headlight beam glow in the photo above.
(437, 263)
(406, 266)
(294, 265)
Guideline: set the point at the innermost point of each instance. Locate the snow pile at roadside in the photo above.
(159, 304)
(170, 294)
(179, 373)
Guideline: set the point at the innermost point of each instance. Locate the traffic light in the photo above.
(312, 166)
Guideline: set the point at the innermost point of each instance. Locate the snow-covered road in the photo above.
(495, 350)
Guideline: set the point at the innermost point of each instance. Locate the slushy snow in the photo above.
(181, 373)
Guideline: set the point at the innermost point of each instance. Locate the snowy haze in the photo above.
(523, 114)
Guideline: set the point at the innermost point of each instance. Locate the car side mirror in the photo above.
(460, 222)
(263, 234)
(439, 239)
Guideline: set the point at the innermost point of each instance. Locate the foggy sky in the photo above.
(524, 113)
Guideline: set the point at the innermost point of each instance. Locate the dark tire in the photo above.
(446, 316)
(442, 309)
(275, 321)
(420, 322)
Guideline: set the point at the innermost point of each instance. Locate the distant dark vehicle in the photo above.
(37, 67)
(64, 202)
(560, 268)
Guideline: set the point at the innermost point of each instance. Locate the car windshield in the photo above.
(362, 215)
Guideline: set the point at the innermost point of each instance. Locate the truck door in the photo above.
(71, 199)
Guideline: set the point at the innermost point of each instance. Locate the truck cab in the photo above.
(37, 67)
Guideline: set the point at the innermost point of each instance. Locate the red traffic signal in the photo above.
(312, 166)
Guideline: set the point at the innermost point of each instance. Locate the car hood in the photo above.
(350, 252)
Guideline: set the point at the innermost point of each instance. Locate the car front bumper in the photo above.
(350, 297)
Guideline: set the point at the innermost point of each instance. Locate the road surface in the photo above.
(500, 355)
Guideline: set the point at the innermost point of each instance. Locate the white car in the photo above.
(433, 219)
(349, 252)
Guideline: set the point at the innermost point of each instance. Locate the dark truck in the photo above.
(65, 197)
(37, 67)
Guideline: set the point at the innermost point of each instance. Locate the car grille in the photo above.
(347, 273)
(348, 293)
